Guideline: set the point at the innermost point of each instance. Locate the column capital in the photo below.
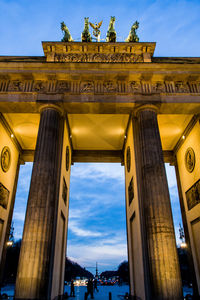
(143, 107)
(53, 107)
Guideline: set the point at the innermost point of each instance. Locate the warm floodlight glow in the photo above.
(183, 137)
(9, 243)
(125, 136)
(12, 135)
(183, 245)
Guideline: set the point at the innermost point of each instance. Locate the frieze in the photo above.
(99, 87)
(97, 57)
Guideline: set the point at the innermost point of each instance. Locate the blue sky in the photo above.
(175, 26)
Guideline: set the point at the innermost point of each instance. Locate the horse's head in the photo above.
(112, 20)
(87, 21)
(136, 25)
(63, 26)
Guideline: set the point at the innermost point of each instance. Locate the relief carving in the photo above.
(64, 191)
(158, 87)
(190, 160)
(4, 196)
(5, 158)
(62, 86)
(130, 191)
(109, 87)
(193, 195)
(87, 87)
(39, 86)
(181, 87)
(16, 86)
(135, 86)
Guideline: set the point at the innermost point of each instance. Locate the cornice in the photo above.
(10, 133)
(186, 132)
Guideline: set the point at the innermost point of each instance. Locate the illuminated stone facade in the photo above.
(146, 110)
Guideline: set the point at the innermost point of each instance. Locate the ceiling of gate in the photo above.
(96, 131)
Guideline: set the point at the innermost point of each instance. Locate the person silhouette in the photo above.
(72, 292)
(95, 285)
(90, 288)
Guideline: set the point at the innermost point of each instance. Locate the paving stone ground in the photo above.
(103, 294)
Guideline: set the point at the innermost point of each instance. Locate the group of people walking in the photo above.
(91, 288)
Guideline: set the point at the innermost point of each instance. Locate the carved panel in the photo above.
(5, 159)
(87, 87)
(190, 160)
(4, 196)
(64, 191)
(131, 191)
(16, 86)
(135, 87)
(193, 195)
(128, 159)
(67, 158)
(62, 86)
(110, 87)
(40, 86)
(181, 87)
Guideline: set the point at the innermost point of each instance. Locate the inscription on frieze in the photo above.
(130, 191)
(97, 57)
(193, 195)
(4, 196)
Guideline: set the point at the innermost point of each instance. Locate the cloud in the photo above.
(109, 256)
(19, 216)
(98, 172)
(75, 228)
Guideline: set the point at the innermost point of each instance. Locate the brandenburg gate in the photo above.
(101, 102)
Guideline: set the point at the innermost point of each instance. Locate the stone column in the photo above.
(37, 251)
(162, 258)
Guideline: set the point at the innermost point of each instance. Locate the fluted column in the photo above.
(37, 250)
(165, 280)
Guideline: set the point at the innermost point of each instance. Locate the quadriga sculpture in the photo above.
(111, 33)
(67, 36)
(85, 36)
(132, 37)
